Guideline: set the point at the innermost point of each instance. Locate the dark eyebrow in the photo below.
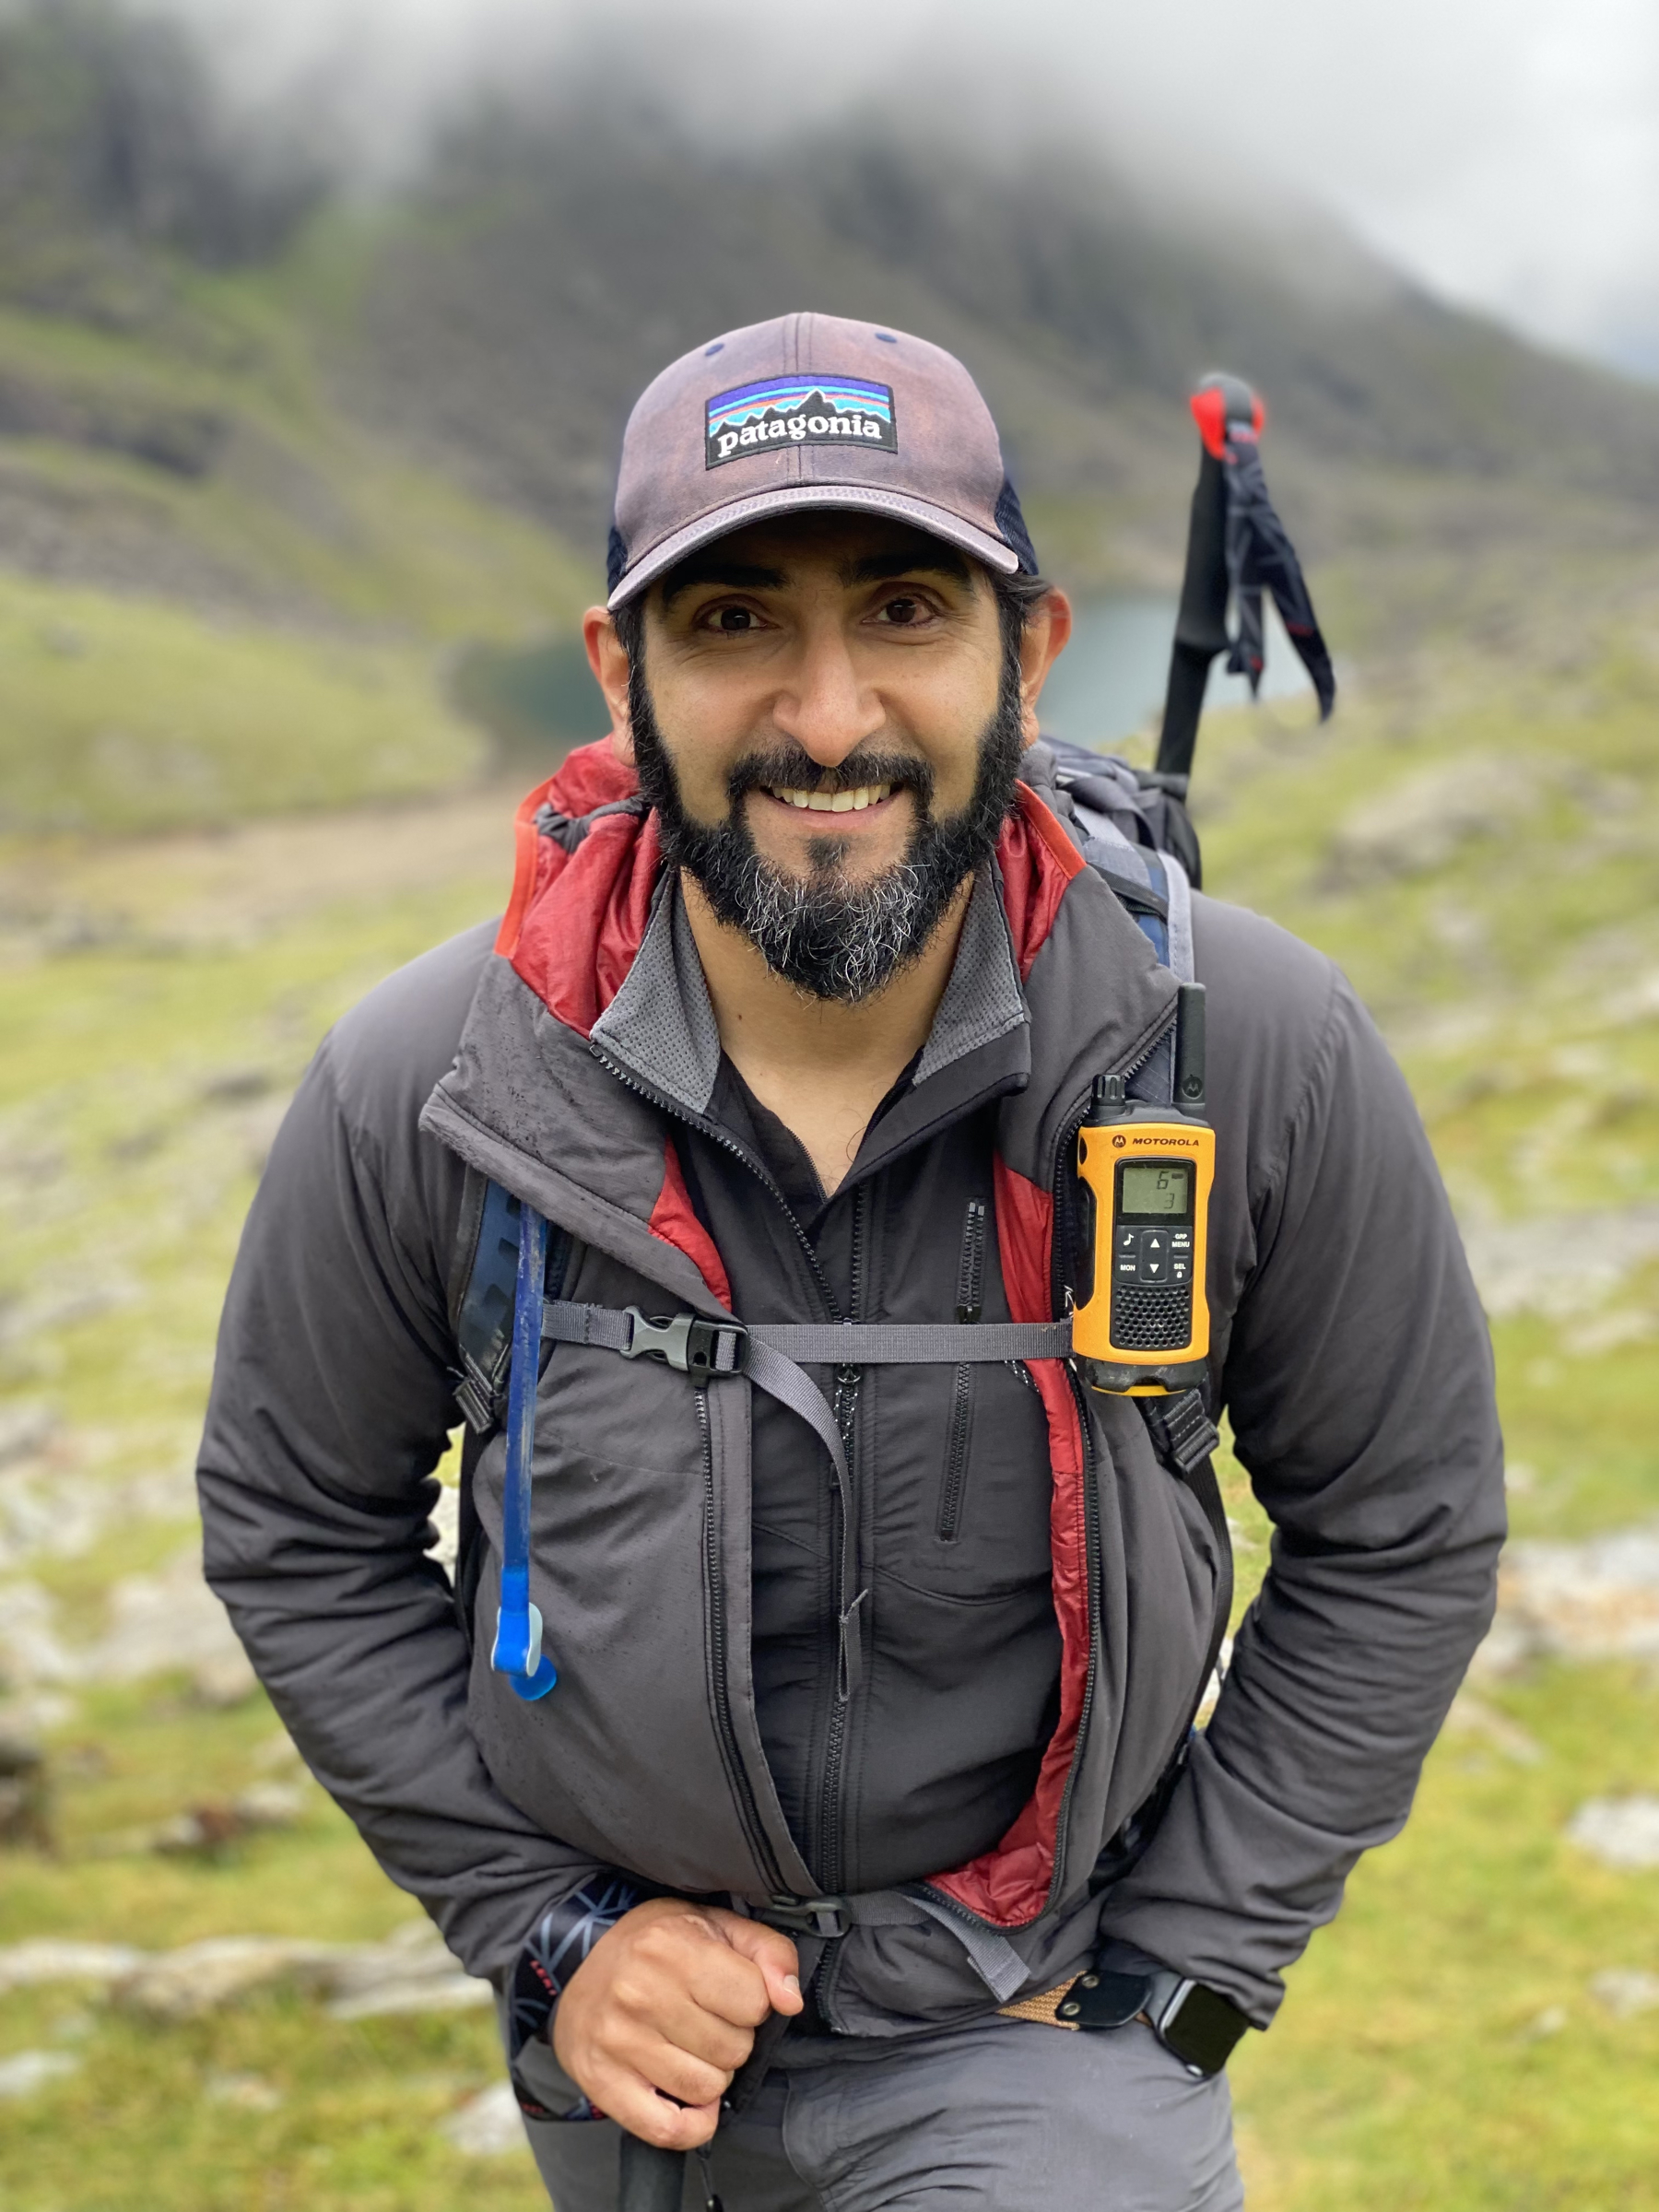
(929, 559)
(730, 576)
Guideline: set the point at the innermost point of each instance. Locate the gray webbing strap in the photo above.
(610, 1327)
(775, 1358)
(902, 1344)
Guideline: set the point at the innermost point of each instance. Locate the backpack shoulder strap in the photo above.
(483, 1283)
(482, 1293)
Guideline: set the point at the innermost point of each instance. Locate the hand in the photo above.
(662, 2011)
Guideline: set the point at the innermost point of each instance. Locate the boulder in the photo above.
(46, 1961)
(489, 2125)
(1619, 1831)
(1594, 1600)
(26, 2071)
(1626, 1990)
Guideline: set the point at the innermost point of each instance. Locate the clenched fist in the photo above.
(662, 2011)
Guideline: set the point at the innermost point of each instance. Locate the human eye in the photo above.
(728, 618)
(906, 609)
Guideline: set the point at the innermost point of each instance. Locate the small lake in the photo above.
(1111, 677)
(538, 700)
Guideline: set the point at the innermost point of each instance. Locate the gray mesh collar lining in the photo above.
(661, 1026)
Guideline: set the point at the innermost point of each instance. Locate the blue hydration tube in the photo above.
(518, 1652)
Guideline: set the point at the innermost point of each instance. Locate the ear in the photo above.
(1048, 627)
(608, 662)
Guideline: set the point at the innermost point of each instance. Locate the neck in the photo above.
(821, 1066)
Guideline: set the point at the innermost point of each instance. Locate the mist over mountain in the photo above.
(269, 345)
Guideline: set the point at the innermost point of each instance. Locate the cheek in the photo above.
(949, 723)
(703, 752)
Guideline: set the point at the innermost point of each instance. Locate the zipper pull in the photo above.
(851, 1652)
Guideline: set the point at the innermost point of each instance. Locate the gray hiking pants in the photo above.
(1007, 2114)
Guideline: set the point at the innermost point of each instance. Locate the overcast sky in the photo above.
(1504, 152)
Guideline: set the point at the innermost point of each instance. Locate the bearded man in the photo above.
(871, 1737)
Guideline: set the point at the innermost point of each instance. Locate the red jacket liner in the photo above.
(571, 932)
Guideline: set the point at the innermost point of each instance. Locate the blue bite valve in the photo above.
(518, 1652)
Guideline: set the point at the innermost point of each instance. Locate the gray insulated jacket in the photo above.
(997, 1787)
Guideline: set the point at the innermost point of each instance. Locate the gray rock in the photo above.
(224, 1680)
(1626, 1990)
(45, 1962)
(25, 1431)
(162, 1622)
(26, 2071)
(200, 1978)
(489, 2125)
(1558, 1264)
(1619, 1831)
(412, 1970)
(1593, 1600)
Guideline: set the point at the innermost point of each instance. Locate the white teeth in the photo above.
(835, 801)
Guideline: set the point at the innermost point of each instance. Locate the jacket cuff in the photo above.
(549, 1955)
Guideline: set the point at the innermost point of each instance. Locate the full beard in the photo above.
(831, 937)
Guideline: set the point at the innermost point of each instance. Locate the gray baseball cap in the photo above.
(810, 411)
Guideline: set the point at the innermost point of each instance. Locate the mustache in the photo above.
(792, 768)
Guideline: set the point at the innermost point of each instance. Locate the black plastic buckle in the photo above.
(689, 1344)
(825, 1916)
(1182, 1429)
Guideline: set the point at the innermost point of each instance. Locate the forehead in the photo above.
(840, 546)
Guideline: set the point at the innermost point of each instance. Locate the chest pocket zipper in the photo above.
(971, 1299)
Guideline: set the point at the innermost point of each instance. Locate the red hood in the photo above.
(575, 920)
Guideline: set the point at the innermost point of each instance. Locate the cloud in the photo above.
(1503, 152)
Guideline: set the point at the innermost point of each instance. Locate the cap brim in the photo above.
(938, 521)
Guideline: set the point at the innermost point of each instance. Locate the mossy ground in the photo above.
(1440, 2047)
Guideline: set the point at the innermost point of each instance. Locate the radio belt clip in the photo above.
(1140, 1327)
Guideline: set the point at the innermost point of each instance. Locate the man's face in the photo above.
(827, 720)
(814, 641)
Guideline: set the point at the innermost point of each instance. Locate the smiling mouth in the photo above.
(831, 802)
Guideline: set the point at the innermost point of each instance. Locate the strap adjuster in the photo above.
(689, 1344)
(824, 1916)
(1181, 1428)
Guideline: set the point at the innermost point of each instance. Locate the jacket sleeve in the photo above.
(332, 1394)
(1358, 1376)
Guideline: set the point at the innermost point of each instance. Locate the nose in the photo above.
(825, 707)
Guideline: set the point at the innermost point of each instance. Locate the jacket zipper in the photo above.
(970, 1281)
(828, 1856)
(730, 1753)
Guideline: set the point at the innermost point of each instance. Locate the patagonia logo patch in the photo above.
(799, 410)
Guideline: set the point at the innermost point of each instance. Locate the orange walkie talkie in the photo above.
(1144, 1329)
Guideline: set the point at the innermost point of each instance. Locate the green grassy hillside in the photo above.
(281, 481)
(230, 385)
(1481, 849)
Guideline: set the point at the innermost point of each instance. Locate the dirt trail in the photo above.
(207, 887)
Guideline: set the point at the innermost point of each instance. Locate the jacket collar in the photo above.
(660, 1027)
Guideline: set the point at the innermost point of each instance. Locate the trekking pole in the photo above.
(1237, 545)
(649, 2180)
(1201, 620)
